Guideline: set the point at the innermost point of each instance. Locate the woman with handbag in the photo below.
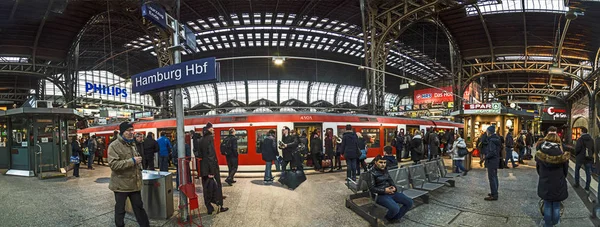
(459, 151)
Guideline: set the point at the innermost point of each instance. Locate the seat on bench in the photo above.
(433, 174)
(419, 179)
(444, 171)
(370, 211)
(402, 183)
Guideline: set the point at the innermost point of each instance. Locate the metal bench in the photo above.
(419, 179)
(433, 174)
(444, 171)
(402, 183)
(370, 211)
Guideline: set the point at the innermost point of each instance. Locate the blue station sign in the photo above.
(187, 73)
(155, 13)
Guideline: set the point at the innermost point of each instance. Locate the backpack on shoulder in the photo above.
(226, 146)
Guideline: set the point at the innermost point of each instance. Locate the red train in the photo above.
(251, 128)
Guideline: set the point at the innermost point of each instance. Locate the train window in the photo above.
(261, 134)
(389, 136)
(242, 139)
(371, 135)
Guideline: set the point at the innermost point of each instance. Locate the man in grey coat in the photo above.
(434, 145)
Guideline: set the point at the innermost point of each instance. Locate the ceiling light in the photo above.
(412, 83)
(278, 60)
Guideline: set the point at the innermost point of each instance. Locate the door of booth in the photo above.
(47, 136)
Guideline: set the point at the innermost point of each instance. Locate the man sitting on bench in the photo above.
(382, 184)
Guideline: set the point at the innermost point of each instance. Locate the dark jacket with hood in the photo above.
(349, 147)
(379, 180)
(585, 141)
(434, 144)
(492, 150)
(416, 148)
(269, 149)
(150, 146)
(292, 144)
(209, 165)
(552, 165)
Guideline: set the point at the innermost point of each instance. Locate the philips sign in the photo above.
(165, 78)
(103, 89)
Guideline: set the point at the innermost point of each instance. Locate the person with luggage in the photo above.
(381, 183)
(269, 154)
(458, 156)
(316, 149)
(288, 145)
(584, 157)
(552, 165)
(229, 148)
(301, 150)
(209, 171)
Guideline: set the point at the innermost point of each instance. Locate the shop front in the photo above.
(554, 116)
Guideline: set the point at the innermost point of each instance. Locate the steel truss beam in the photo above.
(527, 91)
(39, 70)
(15, 95)
(579, 89)
(385, 22)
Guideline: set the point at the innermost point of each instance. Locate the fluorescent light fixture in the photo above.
(278, 60)
(412, 83)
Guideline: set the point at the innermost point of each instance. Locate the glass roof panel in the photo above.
(513, 6)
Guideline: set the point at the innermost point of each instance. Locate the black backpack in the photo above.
(226, 146)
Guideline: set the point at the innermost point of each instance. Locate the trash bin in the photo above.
(157, 194)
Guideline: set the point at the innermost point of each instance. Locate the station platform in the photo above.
(87, 201)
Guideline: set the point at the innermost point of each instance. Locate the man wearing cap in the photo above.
(126, 176)
(209, 171)
(491, 153)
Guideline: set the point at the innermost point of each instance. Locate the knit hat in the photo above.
(491, 129)
(124, 126)
(208, 125)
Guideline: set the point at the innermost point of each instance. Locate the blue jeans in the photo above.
(393, 202)
(509, 155)
(268, 173)
(587, 168)
(459, 166)
(551, 213)
(163, 163)
(493, 178)
(351, 168)
(90, 160)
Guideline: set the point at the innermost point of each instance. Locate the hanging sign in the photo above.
(187, 73)
(553, 113)
(44, 140)
(23, 144)
(483, 108)
(155, 13)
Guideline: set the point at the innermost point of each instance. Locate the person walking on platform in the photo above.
(288, 147)
(269, 154)
(329, 148)
(209, 171)
(126, 176)
(92, 145)
(150, 148)
(316, 149)
(383, 185)
(552, 165)
(417, 147)
(229, 148)
(510, 143)
(100, 150)
(350, 151)
(458, 143)
(164, 146)
(584, 156)
(491, 151)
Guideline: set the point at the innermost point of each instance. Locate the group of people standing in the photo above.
(87, 151)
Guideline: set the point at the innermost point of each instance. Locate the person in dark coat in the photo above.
(552, 165)
(434, 145)
(209, 170)
(417, 148)
(407, 141)
(329, 148)
(491, 152)
(349, 149)
(101, 147)
(269, 154)
(232, 157)
(316, 149)
(510, 144)
(398, 143)
(584, 150)
(139, 144)
(150, 149)
(362, 145)
(381, 183)
(301, 152)
(389, 157)
(76, 151)
(288, 147)
(338, 153)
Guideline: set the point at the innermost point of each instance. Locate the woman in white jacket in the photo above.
(458, 161)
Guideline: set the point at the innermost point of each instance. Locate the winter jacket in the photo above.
(379, 180)
(459, 143)
(140, 147)
(234, 146)
(164, 146)
(434, 144)
(349, 147)
(126, 174)
(303, 140)
(316, 146)
(196, 142)
(92, 145)
(100, 149)
(492, 150)
(391, 161)
(362, 144)
(552, 165)
(292, 144)
(510, 141)
(399, 142)
(584, 142)
(329, 147)
(150, 147)
(209, 165)
(269, 149)
(416, 148)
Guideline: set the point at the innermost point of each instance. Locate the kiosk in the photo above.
(37, 140)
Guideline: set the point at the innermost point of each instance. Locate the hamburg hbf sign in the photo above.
(187, 73)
